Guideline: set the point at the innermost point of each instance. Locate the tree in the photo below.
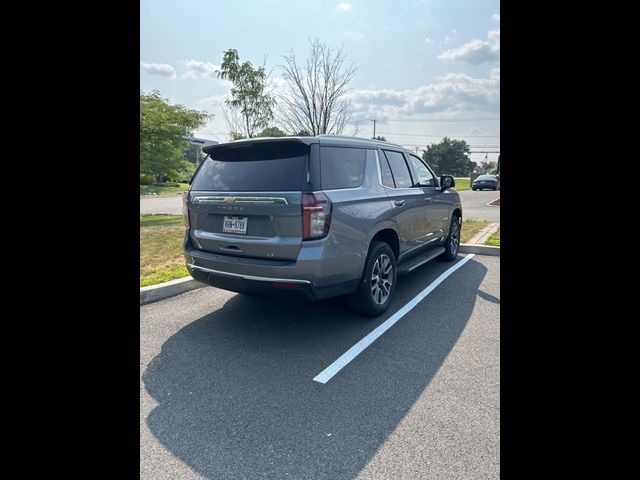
(315, 97)
(162, 126)
(235, 136)
(271, 132)
(449, 157)
(250, 106)
(488, 166)
(380, 138)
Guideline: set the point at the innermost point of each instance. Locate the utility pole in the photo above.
(374, 127)
(417, 150)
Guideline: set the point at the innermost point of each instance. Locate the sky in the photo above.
(425, 68)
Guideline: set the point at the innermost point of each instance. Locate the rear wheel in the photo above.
(378, 282)
(452, 243)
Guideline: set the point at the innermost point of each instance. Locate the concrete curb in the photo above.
(484, 234)
(161, 291)
(480, 249)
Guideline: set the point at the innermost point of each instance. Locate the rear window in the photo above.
(266, 167)
(341, 167)
(486, 177)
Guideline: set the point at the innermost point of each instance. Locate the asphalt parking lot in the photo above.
(227, 387)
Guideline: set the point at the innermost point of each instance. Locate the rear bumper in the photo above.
(307, 277)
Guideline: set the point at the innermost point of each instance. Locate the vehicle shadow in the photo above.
(235, 392)
(488, 298)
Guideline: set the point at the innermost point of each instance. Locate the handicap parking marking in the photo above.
(329, 372)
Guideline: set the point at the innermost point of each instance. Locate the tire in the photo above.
(362, 301)
(452, 243)
(495, 189)
(474, 189)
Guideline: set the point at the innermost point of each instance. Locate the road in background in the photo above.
(474, 205)
(161, 204)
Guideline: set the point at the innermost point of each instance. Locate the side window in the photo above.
(399, 169)
(387, 178)
(341, 167)
(425, 178)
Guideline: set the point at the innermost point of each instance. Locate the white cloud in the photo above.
(476, 51)
(355, 35)
(453, 93)
(344, 6)
(213, 100)
(476, 131)
(161, 69)
(197, 69)
(428, 41)
(496, 17)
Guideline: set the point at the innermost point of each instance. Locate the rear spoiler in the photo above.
(249, 142)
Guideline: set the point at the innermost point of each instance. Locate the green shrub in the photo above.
(146, 179)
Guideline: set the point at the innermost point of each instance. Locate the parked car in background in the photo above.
(486, 181)
(317, 217)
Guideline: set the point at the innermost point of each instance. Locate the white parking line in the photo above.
(328, 373)
(489, 204)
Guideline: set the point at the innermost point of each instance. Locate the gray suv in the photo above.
(317, 217)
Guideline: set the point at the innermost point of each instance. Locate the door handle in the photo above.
(399, 203)
(427, 199)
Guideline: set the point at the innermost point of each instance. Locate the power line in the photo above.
(436, 120)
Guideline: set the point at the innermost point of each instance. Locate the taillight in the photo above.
(316, 215)
(185, 209)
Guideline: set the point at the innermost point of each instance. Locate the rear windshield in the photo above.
(486, 177)
(262, 168)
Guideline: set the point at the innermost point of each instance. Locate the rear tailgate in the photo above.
(245, 200)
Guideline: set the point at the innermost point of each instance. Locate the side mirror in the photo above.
(447, 181)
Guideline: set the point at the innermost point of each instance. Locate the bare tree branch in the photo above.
(314, 100)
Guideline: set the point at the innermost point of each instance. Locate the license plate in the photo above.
(235, 225)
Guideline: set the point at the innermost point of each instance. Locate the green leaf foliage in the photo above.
(248, 94)
(449, 157)
(271, 132)
(162, 126)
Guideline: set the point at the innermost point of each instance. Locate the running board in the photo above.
(414, 263)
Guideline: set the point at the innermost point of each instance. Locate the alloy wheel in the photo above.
(381, 279)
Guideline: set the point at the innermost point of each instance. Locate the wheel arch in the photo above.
(389, 235)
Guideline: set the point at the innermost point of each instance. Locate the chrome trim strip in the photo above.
(249, 277)
(218, 199)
